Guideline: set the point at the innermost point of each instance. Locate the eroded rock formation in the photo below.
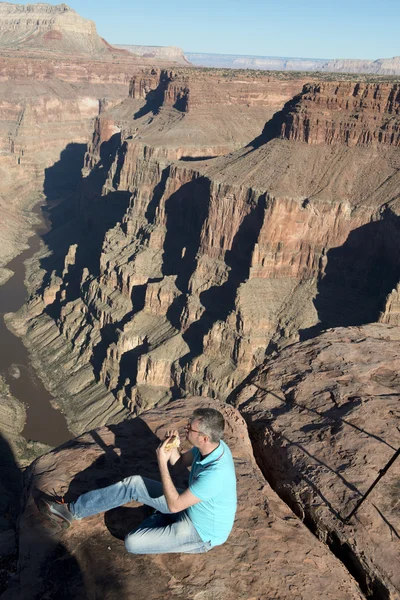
(208, 265)
(50, 91)
(270, 553)
(217, 219)
(157, 52)
(323, 419)
(379, 67)
(46, 27)
(349, 114)
(126, 160)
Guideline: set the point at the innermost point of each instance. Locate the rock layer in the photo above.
(380, 67)
(322, 418)
(117, 170)
(172, 53)
(193, 271)
(349, 114)
(47, 27)
(266, 534)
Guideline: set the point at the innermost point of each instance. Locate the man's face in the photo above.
(193, 431)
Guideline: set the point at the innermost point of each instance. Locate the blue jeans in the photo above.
(161, 533)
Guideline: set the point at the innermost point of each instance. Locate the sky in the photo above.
(366, 29)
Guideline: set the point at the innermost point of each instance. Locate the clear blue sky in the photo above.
(298, 28)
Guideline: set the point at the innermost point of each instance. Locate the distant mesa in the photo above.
(172, 53)
(381, 66)
(44, 27)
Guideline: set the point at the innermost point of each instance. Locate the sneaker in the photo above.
(59, 510)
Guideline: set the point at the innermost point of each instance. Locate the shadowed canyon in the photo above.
(212, 238)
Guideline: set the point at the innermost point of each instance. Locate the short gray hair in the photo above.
(211, 422)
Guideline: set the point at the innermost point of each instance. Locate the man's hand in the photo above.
(175, 454)
(163, 455)
(176, 501)
(171, 433)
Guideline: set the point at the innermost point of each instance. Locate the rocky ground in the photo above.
(323, 417)
(270, 553)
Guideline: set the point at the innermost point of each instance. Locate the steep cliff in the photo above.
(350, 114)
(49, 28)
(124, 146)
(55, 118)
(47, 107)
(171, 53)
(380, 67)
(179, 277)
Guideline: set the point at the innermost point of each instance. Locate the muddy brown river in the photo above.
(44, 423)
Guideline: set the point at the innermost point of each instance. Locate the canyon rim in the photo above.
(219, 237)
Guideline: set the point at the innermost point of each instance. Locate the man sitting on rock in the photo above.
(192, 520)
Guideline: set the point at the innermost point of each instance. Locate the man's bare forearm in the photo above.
(170, 492)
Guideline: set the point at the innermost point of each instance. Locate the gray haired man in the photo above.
(191, 520)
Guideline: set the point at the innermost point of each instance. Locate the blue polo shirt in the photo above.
(213, 480)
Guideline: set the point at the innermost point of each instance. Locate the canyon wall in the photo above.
(48, 28)
(47, 107)
(350, 114)
(380, 67)
(47, 104)
(132, 146)
(55, 71)
(34, 130)
(156, 52)
(182, 275)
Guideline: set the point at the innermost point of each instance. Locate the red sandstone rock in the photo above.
(172, 53)
(50, 28)
(269, 554)
(349, 114)
(213, 262)
(391, 312)
(323, 419)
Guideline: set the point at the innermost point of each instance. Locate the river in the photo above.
(43, 423)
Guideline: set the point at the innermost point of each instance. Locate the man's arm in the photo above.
(185, 459)
(176, 501)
